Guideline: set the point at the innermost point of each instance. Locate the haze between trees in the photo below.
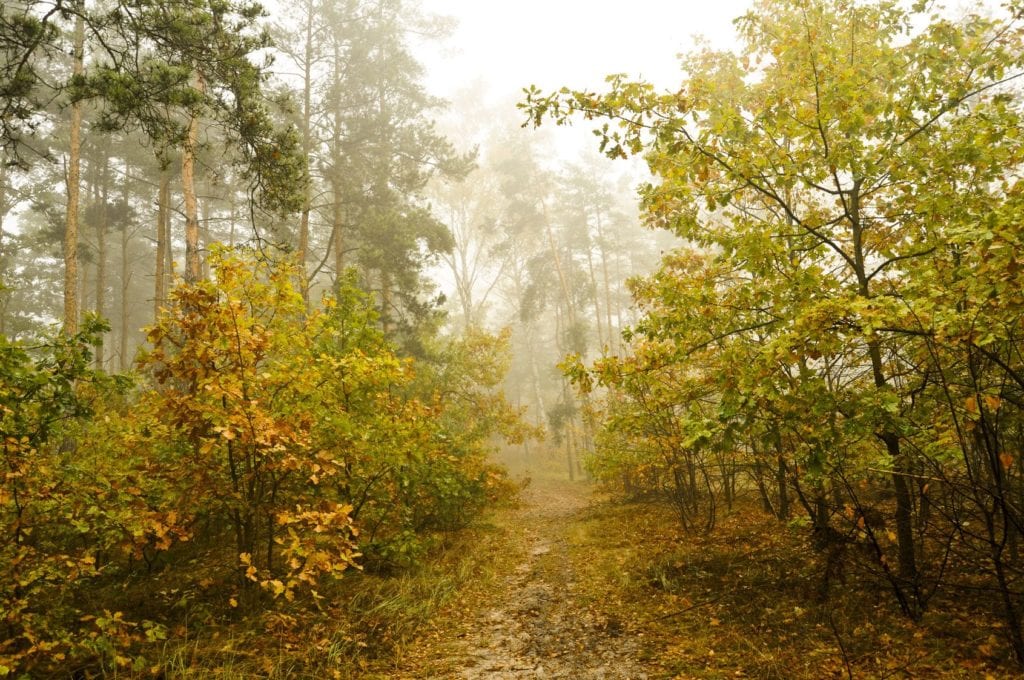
(837, 337)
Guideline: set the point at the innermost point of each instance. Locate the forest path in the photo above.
(540, 615)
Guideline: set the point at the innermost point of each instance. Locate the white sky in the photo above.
(551, 43)
(509, 45)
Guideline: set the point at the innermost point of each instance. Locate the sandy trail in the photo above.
(535, 625)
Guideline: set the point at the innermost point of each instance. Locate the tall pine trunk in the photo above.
(595, 298)
(4, 208)
(385, 302)
(163, 245)
(307, 114)
(73, 185)
(103, 175)
(126, 278)
(204, 226)
(193, 258)
(613, 340)
(337, 226)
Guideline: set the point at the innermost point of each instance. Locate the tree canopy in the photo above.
(847, 182)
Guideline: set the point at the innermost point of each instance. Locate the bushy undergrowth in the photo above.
(858, 365)
(260, 451)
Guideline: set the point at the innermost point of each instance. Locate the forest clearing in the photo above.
(307, 371)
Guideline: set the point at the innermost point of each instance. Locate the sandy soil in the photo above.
(535, 626)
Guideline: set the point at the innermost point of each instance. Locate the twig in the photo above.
(839, 640)
(691, 607)
(904, 668)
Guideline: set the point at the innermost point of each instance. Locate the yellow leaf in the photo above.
(233, 602)
(992, 402)
(971, 404)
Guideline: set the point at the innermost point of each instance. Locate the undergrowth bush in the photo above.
(263, 450)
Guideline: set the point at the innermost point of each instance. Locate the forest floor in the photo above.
(536, 618)
(571, 583)
(577, 585)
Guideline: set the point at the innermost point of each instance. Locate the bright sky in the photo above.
(551, 43)
(509, 45)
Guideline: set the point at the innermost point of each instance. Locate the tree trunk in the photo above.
(620, 324)
(526, 331)
(568, 452)
(169, 253)
(385, 302)
(4, 208)
(337, 231)
(570, 311)
(563, 282)
(613, 340)
(595, 297)
(193, 259)
(307, 113)
(538, 394)
(126, 277)
(73, 180)
(336, 208)
(101, 252)
(162, 244)
(232, 218)
(204, 226)
(780, 481)
(84, 289)
(906, 543)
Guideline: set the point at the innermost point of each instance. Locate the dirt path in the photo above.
(537, 625)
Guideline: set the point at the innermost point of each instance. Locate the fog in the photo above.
(565, 339)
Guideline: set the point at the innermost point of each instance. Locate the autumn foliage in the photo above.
(262, 451)
(842, 332)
